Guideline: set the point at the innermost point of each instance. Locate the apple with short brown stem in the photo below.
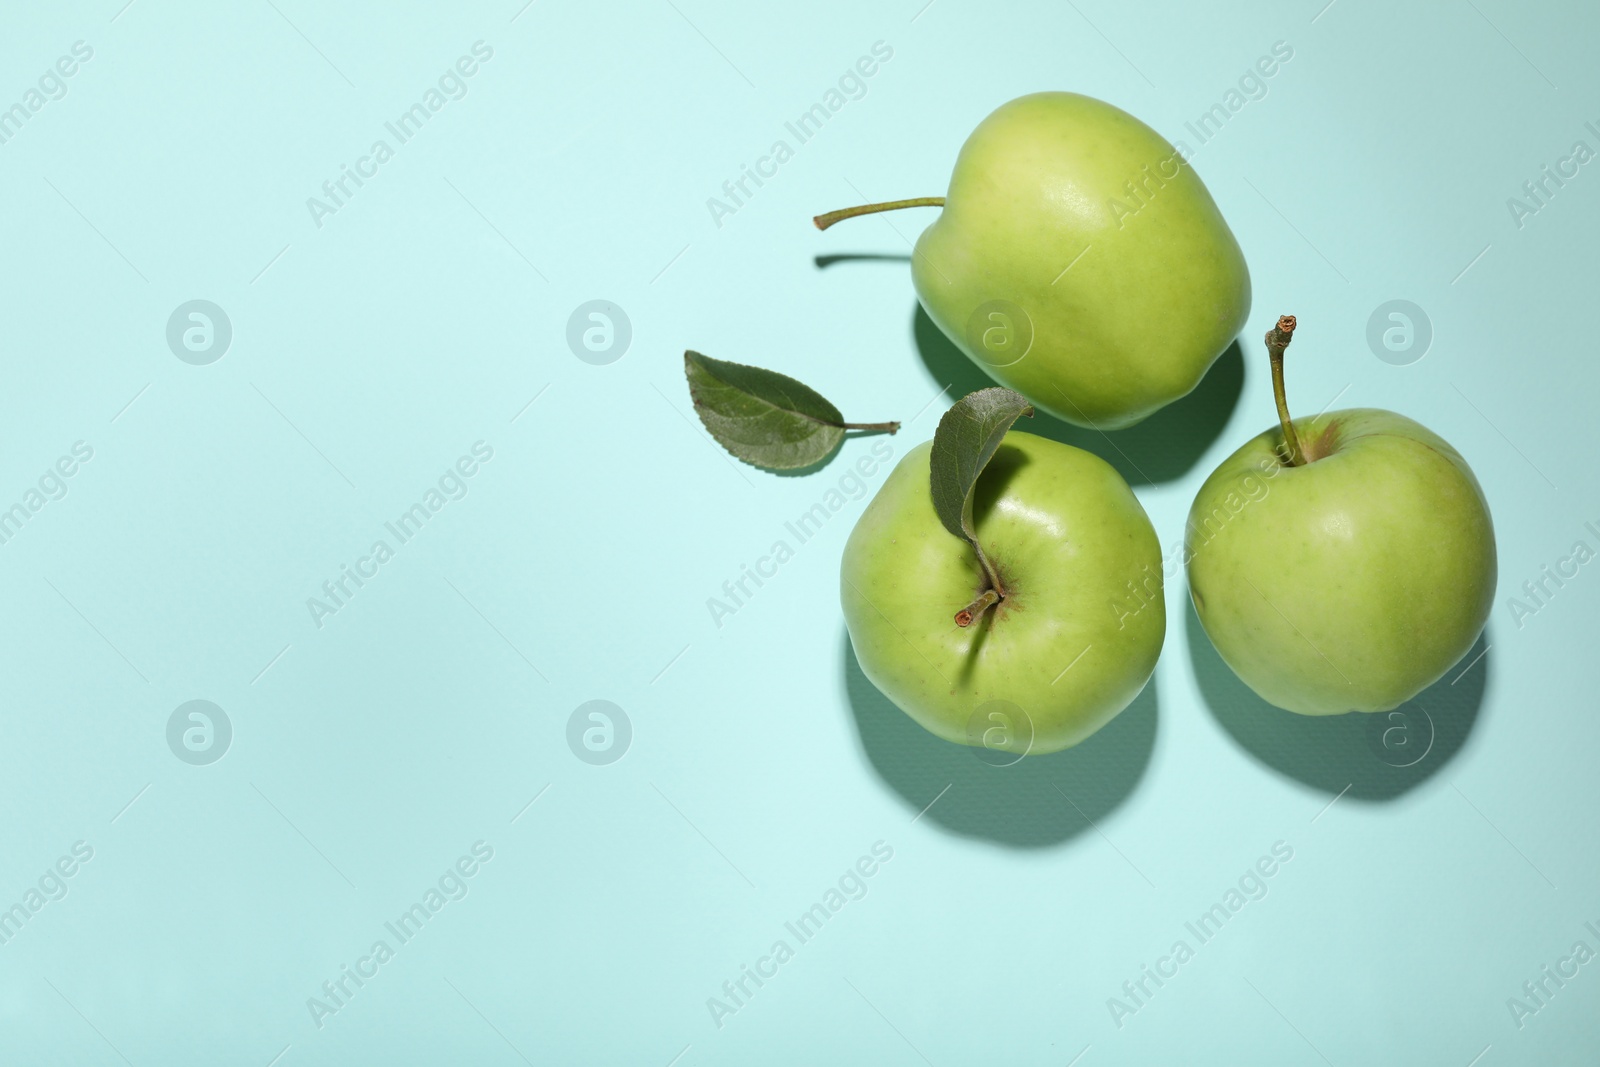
(1343, 562)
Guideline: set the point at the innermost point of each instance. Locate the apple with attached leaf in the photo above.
(1004, 589)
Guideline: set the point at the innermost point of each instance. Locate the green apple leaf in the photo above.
(765, 418)
(966, 440)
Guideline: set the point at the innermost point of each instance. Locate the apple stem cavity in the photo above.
(824, 221)
(969, 614)
(1278, 339)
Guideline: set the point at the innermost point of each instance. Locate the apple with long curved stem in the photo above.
(1079, 259)
(1343, 562)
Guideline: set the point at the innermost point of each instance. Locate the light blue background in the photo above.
(368, 354)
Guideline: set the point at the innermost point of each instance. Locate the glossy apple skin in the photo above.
(1135, 323)
(1350, 583)
(1070, 541)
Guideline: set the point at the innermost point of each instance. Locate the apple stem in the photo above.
(875, 427)
(991, 596)
(992, 575)
(1278, 339)
(967, 615)
(824, 221)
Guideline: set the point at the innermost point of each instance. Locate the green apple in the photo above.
(1343, 562)
(1079, 260)
(1077, 633)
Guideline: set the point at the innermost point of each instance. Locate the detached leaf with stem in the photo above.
(765, 418)
(966, 440)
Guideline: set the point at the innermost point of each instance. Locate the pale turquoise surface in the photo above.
(368, 354)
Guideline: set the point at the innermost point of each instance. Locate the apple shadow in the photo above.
(1162, 448)
(824, 262)
(1037, 802)
(1378, 756)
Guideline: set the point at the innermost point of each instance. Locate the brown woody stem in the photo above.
(967, 615)
(991, 596)
(822, 222)
(1278, 339)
